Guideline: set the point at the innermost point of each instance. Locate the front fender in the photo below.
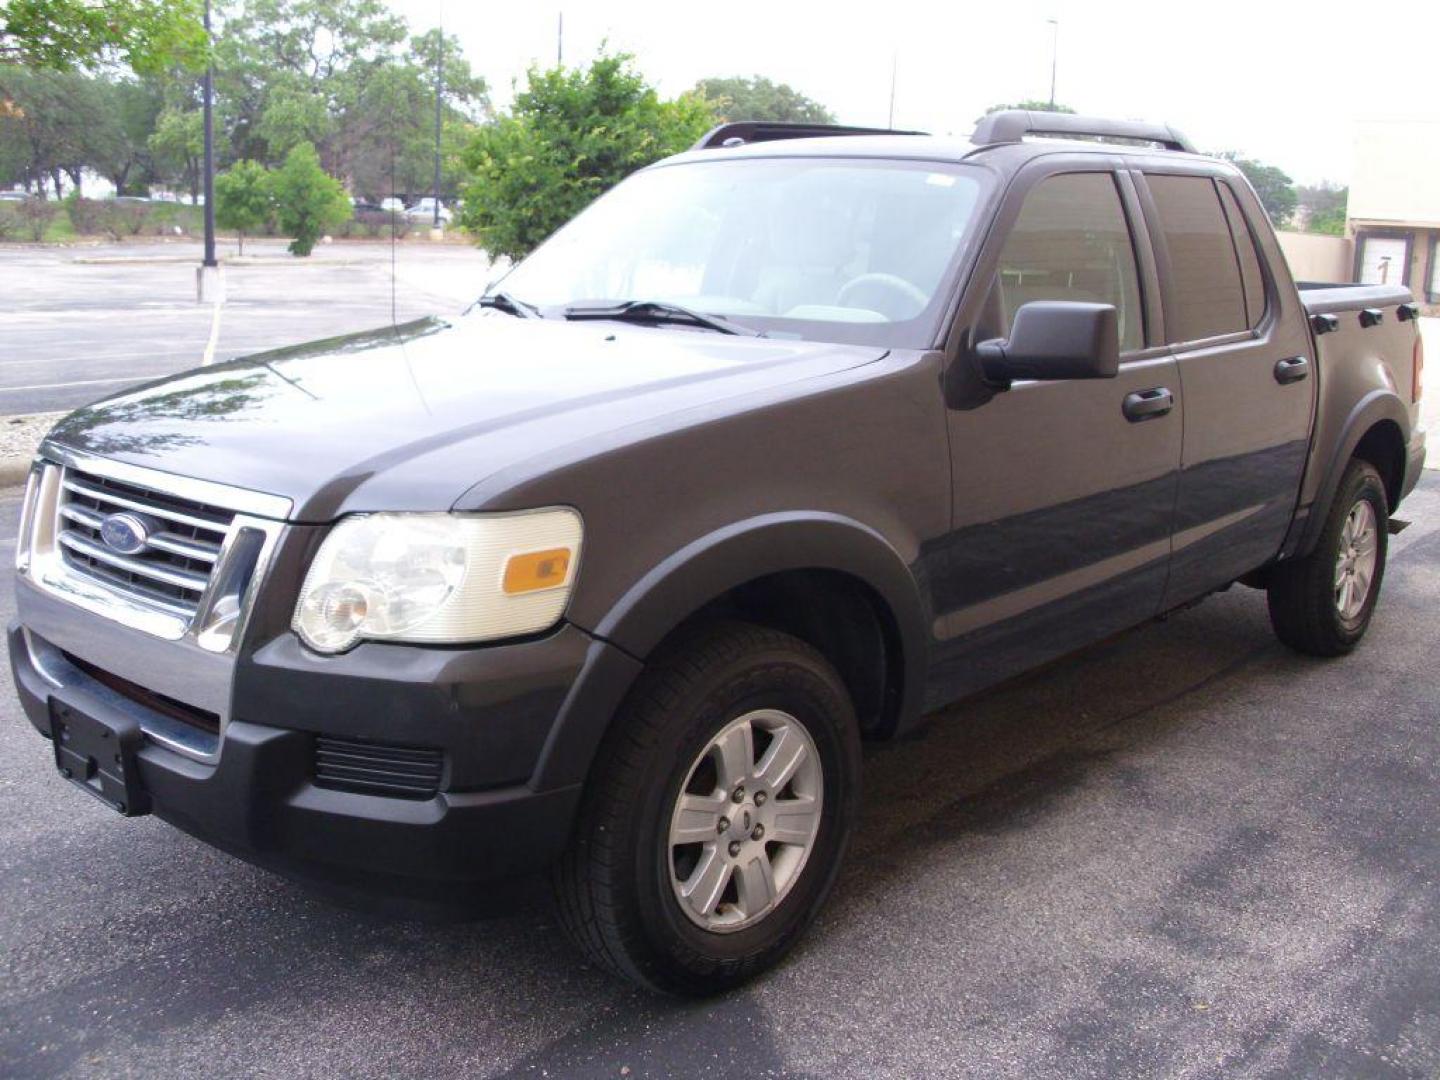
(711, 566)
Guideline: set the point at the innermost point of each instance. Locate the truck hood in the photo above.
(411, 417)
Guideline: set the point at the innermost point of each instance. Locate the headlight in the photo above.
(438, 578)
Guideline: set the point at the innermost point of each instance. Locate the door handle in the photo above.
(1148, 404)
(1291, 370)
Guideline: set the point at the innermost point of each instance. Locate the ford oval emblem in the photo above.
(129, 534)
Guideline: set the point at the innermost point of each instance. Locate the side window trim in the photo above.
(1241, 231)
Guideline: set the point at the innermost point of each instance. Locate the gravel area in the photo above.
(20, 435)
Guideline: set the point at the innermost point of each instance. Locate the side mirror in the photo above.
(1056, 339)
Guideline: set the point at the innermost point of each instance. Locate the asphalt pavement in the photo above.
(81, 323)
(1186, 852)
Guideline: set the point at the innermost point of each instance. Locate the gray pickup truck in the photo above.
(783, 443)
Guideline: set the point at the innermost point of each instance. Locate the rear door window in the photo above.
(1206, 298)
(1072, 242)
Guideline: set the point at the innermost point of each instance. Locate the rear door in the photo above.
(1233, 323)
(1062, 502)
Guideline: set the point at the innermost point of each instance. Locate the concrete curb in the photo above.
(13, 471)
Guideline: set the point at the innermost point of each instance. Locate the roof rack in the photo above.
(1012, 125)
(753, 131)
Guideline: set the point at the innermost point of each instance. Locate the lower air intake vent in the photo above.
(401, 772)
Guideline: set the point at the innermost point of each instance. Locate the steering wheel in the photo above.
(897, 298)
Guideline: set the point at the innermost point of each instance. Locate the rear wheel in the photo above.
(1323, 603)
(717, 813)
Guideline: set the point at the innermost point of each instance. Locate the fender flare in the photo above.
(1376, 406)
(707, 568)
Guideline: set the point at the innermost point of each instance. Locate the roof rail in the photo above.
(1012, 125)
(752, 131)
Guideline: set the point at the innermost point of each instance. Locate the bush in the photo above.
(9, 221)
(86, 215)
(571, 135)
(122, 219)
(36, 215)
(373, 222)
(244, 199)
(308, 200)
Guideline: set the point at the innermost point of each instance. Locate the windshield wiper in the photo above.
(658, 311)
(501, 300)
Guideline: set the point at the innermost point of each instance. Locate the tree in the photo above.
(1276, 190)
(571, 135)
(122, 153)
(50, 129)
(65, 35)
(757, 98)
(244, 199)
(178, 147)
(1032, 105)
(1326, 207)
(308, 200)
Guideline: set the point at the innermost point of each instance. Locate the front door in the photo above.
(1062, 501)
(1245, 366)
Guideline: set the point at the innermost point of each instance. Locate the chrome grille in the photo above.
(173, 570)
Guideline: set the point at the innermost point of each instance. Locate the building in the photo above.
(1394, 209)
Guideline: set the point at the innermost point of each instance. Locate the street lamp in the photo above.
(1054, 56)
(209, 285)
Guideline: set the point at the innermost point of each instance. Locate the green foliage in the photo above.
(50, 127)
(177, 147)
(121, 150)
(757, 98)
(1032, 105)
(571, 135)
(308, 201)
(345, 76)
(292, 116)
(1326, 204)
(1275, 188)
(1327, 222)
(65, 35)
(244, 199)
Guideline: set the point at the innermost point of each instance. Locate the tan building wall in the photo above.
(1313, 257)
(1397, 171)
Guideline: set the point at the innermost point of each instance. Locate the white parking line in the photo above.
(208, 357)
(82, 382)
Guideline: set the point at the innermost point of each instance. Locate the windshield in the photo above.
(831, 249)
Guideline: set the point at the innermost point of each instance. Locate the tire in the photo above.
(616, 886)
(1309, 608)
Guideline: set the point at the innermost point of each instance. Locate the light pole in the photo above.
(439, 99)
(1054, 56)
(209, 88)
(209, 278)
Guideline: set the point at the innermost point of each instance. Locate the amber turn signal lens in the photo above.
(536, 570)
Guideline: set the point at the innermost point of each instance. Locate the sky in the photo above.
(1280, 82)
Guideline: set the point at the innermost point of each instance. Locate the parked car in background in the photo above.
(392, 204)
(783, 443)
(14, 195)
(423, 212)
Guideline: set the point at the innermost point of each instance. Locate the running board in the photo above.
(1396, 525)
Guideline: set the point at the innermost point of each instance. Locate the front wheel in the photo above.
(1322, 604)
(717, 813)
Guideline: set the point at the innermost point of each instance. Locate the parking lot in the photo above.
(1186, 852)
(81, 323)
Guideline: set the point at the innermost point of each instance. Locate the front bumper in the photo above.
(491, 711)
